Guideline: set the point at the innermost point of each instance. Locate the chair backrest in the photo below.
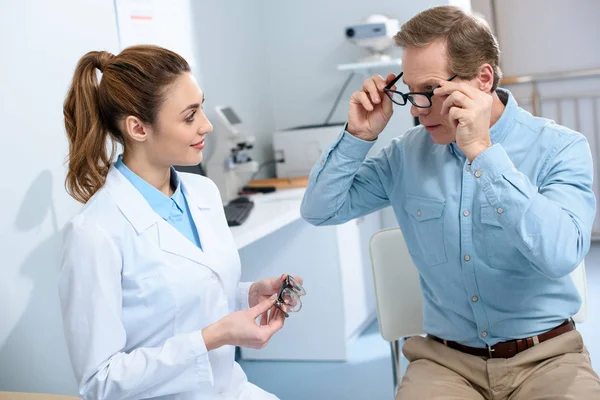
(398, 290)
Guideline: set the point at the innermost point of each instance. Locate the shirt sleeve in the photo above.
(91, 297)
(343, 185)
(550, 224)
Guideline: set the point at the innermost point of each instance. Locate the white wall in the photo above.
(305, 44)
(538, 36)
(233, 65)
(37, 63)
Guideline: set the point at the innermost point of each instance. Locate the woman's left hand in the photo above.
(265, 288)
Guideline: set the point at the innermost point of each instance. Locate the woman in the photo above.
(150, 281)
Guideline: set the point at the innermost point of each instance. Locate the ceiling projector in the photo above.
(375, 34)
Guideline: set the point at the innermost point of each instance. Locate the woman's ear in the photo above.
(135, 129)
(486, 78)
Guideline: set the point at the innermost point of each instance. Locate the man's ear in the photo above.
(486, 78)
(135, 129)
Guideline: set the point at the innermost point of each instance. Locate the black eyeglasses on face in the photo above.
(418, 99)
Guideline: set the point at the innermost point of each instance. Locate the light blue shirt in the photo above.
(494, 241)
(174, 209)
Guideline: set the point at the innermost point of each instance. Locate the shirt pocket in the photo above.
(427, 221)
(496, 240)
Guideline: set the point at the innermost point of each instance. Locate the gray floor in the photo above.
(368, 373)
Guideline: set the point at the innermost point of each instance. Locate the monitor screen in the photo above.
(231, 116)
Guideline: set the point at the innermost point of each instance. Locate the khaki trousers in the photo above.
(559, 368)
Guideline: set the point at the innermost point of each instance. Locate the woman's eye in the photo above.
(191, 117)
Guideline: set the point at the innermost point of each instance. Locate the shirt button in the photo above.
(468, 168)
(322, 162)
(418, 213)
(484, 334)
(500, 210)
(474, 299)
(477, 174)
(466, 213)
(467, 258)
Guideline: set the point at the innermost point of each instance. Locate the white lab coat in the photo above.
(135, 294)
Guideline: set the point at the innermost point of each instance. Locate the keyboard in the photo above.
(237, 212)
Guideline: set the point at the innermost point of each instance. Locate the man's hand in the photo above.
(370, 108)
(470, 110)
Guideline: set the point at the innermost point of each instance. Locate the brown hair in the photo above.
(132, 83)
(469, 39)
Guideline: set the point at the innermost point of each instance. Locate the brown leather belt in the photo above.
(512, 347)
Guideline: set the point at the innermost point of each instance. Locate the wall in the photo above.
(305, 44)
(37, 64)
(234, 69)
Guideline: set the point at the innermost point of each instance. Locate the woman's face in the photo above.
(177, 137)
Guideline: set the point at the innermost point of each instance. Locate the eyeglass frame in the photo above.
(293, 284)
(408, 96)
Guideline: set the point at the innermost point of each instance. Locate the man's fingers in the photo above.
(456, 99)
(446, 88)
(457, 114)
(361, 98)
(389, 78)
(370, 86)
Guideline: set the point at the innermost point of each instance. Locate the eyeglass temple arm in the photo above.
(393, 82)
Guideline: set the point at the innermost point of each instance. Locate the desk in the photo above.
(334, 263)
(271, 212)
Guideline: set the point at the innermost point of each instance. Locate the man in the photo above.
(496, 207)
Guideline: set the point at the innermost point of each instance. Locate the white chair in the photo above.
(398, 292)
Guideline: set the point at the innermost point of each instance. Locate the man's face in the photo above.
(423, 69)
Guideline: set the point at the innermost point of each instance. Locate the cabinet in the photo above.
(335, 265)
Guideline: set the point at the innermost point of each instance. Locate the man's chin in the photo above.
(439, 135)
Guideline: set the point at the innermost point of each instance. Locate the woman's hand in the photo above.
(241, 329)
(264, 289)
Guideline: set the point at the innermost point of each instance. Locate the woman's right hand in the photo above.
(241, 329)
(370, 108)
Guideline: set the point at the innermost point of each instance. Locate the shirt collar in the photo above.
(160, 203)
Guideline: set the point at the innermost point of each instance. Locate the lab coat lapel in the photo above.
(200, 209)
(172, 241)
(138, 212)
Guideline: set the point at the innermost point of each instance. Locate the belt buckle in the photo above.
(491, 351)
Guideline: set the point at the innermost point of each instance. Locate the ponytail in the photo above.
(89, 159)
(133, 83)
